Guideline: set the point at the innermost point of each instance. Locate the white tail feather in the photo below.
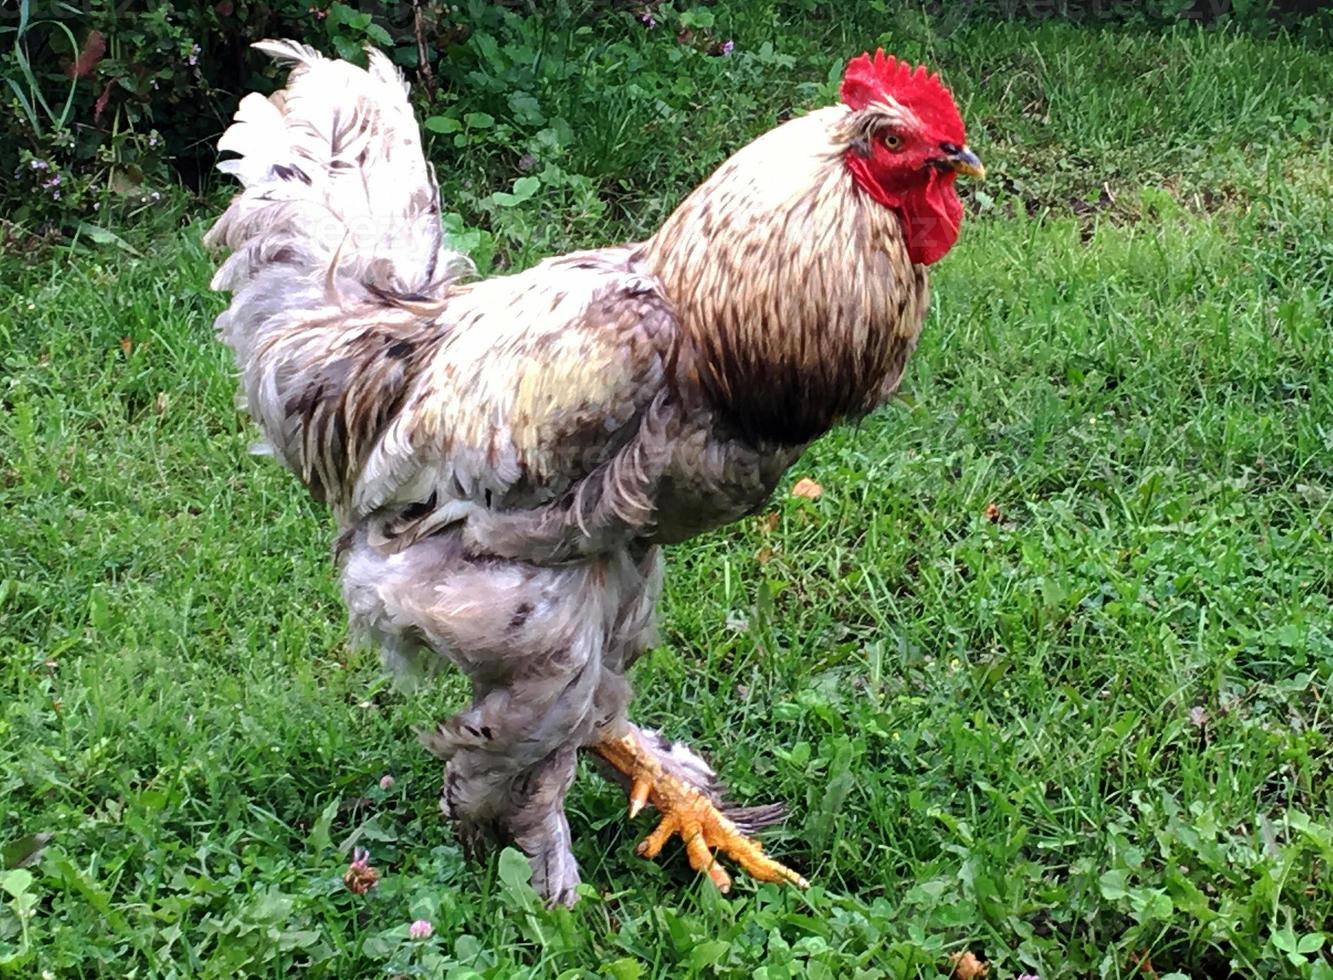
(338, 201)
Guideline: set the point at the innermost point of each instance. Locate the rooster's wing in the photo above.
(524, 396)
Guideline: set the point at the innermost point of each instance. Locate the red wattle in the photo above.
(931, 213)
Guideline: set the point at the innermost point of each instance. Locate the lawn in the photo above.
(1043, 674)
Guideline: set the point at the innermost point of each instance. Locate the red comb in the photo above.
(870, 79)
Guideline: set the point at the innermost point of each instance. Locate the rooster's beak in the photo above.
(964, 161)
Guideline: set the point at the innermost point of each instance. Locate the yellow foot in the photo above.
(690, 813)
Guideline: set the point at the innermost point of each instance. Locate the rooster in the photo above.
(505, 458)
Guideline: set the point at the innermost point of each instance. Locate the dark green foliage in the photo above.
(113, 104)
(112, 96)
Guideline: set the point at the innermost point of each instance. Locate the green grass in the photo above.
(1043, 674)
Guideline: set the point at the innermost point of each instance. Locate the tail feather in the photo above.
(338, 210)
(336, 191)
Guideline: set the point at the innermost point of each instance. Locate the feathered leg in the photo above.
(533, 819)
(504, 779)
(531, 640)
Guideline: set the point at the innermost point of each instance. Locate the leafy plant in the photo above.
(23, 82)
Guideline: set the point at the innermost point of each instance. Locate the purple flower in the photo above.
(386, 782)
(194, 56)
(728, 46)
(421, 929)
(648, 20)
(39, 164)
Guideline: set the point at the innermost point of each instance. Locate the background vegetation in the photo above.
(1043, 673)
(111, 104)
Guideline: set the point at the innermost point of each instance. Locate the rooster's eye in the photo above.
(893, 141)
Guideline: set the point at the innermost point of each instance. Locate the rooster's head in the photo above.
(905, 146)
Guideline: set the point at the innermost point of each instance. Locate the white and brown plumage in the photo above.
(505, 457)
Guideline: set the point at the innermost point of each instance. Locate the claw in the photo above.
(638, 796)
(686, 811)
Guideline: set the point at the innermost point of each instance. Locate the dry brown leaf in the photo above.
(992, 513)
(360, 877)
(807, 488)
(93, 50)
(966, 966)
(764, 555)
(99, 106)
(1141, 961)
(126, 345)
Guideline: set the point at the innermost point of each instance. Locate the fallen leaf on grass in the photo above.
(807, 488)
(966, 966)
(992, 513)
